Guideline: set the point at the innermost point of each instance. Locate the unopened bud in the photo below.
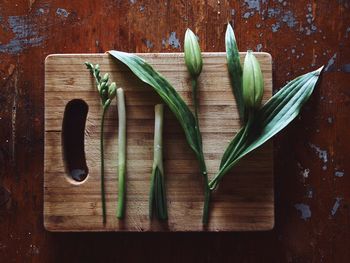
(253, 82)
(112, 91)
(105, 77)
(193, 57)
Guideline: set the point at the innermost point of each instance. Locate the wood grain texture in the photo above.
(245, 199)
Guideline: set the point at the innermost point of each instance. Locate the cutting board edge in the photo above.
(51, 228)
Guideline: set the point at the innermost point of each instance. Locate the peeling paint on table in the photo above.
(330, 63)
(172, 41)
(304, 209)
(254, 4)
(336, 205)
(25, 35)
(305, 173)
(310, 192)
(346, 68)
(62, 12)
(322, 154)
(148, 43)
(258, 47)
(339, 173)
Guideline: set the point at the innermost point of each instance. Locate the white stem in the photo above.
(158, 137)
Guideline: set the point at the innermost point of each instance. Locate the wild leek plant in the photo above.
(194, 64)
(121, 152)
(259, 123)
(107, 92)
(157, 200)
(271, 118)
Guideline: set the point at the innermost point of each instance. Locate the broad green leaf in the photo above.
(147, 74)
(234, 69)
(275, 115)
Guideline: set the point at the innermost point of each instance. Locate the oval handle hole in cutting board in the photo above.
(73, 130)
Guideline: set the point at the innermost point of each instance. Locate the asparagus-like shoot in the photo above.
(194, 64)
(121, 152)
(107, 93)
(157, 202)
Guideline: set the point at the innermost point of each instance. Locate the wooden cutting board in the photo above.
(245, 199)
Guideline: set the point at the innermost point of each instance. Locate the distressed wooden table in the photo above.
(312, 171)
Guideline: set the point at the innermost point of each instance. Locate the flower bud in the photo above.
(102, 87)
(253, 82)
(112, 91)
(105, 77)
(193, 57)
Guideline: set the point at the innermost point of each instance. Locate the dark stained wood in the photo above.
(300, 35)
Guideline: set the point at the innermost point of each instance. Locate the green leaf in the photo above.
(275, 115)
(158, 202)
(147, 74)
(234, 69)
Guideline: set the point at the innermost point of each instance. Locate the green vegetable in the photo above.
(193, 57)
(235, 70)
(193, 60)
(107, 93)
(147, 74)
(121, 152)
(259, 127)
(157, 201)
(253, 83)
(275, 115)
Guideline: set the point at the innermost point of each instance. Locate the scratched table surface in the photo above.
(312, 167)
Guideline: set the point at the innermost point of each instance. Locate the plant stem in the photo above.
(205, 218)
(204, 173)
(103, 198)
(158, 193)
(234, 154)
(121, 152)
(202, 165)
(158, 137)
(194, 83)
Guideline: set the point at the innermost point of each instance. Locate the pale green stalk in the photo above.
(103, 195)
(158, 200)
(121, 152)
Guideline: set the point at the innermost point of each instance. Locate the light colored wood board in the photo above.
(245, 199)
